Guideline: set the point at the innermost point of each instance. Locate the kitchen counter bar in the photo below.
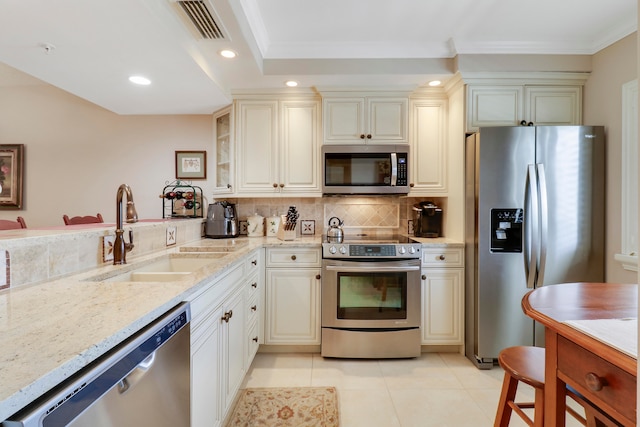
(50, 331)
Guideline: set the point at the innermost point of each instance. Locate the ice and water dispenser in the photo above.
(506, 230)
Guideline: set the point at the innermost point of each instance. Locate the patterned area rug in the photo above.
(286, 407)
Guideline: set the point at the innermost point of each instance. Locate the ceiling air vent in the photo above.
(202, 19)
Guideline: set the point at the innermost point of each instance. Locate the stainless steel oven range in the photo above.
(371, 298)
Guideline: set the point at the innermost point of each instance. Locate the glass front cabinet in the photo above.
(223, 151)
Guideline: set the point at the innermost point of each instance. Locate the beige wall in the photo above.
(77, 154)
(611, 68)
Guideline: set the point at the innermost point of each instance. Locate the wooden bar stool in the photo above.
(526, 364)
(12, 225)
(82, 219)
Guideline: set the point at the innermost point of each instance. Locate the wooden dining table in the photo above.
(587, 327)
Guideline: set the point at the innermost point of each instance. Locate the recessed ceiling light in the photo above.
(291, 83)
(139, 80)
(227, 53)
(435, 83)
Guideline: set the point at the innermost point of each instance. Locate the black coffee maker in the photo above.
(427, 220)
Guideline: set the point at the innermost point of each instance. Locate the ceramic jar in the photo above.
(255, 226)
(273, 222)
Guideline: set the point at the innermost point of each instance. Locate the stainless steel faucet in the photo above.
(120, 247)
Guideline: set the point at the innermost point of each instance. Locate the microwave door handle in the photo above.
(394, 169)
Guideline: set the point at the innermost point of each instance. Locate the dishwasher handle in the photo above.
(128, 382)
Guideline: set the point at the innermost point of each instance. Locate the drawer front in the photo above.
(253, 309)
(294, 257)
(442, 257)
(579, 368)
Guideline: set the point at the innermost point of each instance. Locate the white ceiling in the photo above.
(96, 45)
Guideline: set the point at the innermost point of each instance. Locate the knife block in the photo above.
(285, 234)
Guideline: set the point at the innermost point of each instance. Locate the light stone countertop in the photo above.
(52, 330)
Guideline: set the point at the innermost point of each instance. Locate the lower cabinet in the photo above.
(442, 295)
(205, 372)
(293, 296)
(232, 334)
(442, 305)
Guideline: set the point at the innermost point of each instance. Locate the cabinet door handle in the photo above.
(254, 285)
(424, 277)
(254, 262)
(227, 315)
(293, 257)
(318, 277)
(229, 186)
(412, 185)
(369, 136)
(362, 136)
(254, 339)
(254, 307)
(275, 185)
(281, 185)
(441, 257)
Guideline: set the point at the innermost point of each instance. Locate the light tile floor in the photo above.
(436, 389)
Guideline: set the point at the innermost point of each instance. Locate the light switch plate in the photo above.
(107, 247)
(410, 228)
(171, 235)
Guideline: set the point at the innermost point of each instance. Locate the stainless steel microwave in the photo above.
(365, 169)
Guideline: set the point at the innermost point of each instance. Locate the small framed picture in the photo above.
(11, 176)
(191, 165)
(243, 228)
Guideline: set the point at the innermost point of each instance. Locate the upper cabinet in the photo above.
(356, 118)
(511, 99)
(278, 147)
(429, 157)
(223, 152)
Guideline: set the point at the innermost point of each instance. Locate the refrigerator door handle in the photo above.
(544, 222)
(531, 226)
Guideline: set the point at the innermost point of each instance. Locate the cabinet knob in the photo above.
(293, 257)
(227, 315)
(361, 136)
(275, 185)
(441, 258)
(229, 186)
(368, 136)
(254, 285)
(254, 339)
(424, 277)
(281, 185)
(594, 382)
(254, 307)
(318, 277)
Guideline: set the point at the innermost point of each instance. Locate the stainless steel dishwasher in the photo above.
(143, 382)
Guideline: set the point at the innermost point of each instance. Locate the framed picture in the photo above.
(11, 176)
(191, 165)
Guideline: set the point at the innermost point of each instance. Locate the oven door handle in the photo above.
(370, 268)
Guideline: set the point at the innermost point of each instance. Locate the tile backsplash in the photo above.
(360, 214)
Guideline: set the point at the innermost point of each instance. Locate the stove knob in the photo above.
(343, 250)
(402, 250)
(333, 249)
(412, 250)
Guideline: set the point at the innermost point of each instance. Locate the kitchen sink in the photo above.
(167, 268)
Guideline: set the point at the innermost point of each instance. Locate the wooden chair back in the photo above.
(82, 219)
(12, 225)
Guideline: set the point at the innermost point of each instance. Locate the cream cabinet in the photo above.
(213, 376)
(278, 144)
(442, 296)
(232, 334)
(349, 119)
(428, 168)
(509, 105)
(293, 296)
(223, 152)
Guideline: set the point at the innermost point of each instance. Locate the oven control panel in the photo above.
(338, 250)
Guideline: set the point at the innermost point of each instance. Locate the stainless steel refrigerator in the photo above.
(534, 216)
